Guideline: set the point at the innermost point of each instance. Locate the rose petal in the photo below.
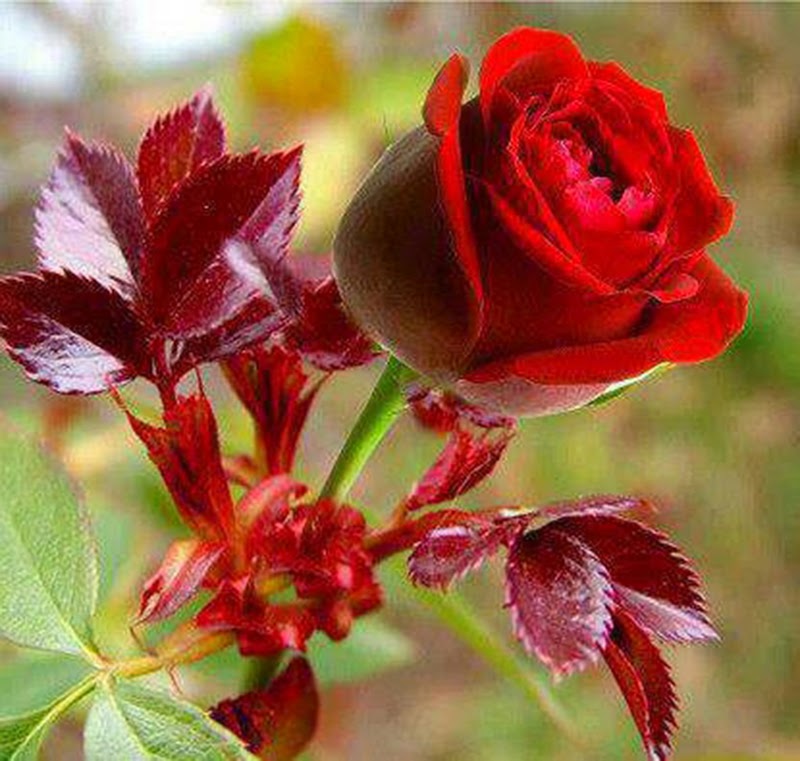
(701, 214)
(691, 330)
(528, 60)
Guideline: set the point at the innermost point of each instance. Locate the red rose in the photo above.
(544, 241)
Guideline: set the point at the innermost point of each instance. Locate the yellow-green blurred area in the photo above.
(716, 446)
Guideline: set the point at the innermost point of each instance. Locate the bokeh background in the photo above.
(717, 446)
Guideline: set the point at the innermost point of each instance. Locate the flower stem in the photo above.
(376, 419)
(456, 613)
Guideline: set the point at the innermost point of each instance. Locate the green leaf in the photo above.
(129, 722)
(618, 389)
(37, 677)
(48, 588)
(21, 736)
(371, 647)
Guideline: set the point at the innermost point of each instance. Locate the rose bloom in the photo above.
(544, 242)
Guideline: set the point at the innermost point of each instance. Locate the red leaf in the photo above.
(654, 583)
(178, 578)
(331, 557)
(560, 598)
(253, 323)
(273, 386)
(645, 681)
(70, 333)
(176, 144)
(604, 504)
(410, 532)
(465, 461)
(186, 453)
(276, 723)
(260, 514)
(261, 629)
(208, 242)
(441, 411)
(192, 288)
(448, 554)
(89, 220)
(319, 327)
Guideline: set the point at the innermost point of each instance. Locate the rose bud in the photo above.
(544, 243)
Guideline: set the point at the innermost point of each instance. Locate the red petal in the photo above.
(448, 554)
(442, 116)
(701, 214)
(691, 330)
(178, 578)
(646, 684)
(464, 462)
(443, 103)
(276, 723)
(616, 75)
(176, 144)
(72, 334)
(532, 242)
(186, 452)
(560, 599)
(654, 582)
(201, 266)
(526, 61)
(89, 219)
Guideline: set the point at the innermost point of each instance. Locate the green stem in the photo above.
(385, 404)
(456, 613)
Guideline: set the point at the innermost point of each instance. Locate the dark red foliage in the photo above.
(465, 461)
(410, 531)
(441, 411)
(449, 553)
(645, 681)
(315, 548)
(175, 145)
(186, 453)
(153, 279)
(318, 326)
(71, 333)
(178, 579)
(585, 584)
(560, 599)
(278, 722)
(275, 389)
(262, 629)
(652, 580)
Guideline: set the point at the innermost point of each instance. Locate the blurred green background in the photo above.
(716, 446)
